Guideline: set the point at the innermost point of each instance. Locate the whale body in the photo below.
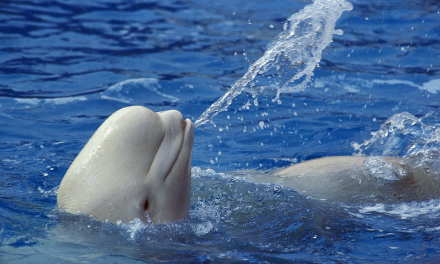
(353, 179)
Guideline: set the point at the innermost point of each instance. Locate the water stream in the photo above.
(291, 57)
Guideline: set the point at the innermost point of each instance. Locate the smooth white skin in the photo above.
(344, 179)
(136, 165)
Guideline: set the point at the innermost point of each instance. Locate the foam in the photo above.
(378, 167)
(429, 208)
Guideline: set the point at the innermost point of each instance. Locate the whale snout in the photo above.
(173, 118)
(171, 170)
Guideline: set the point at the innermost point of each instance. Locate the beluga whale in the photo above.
(136, 165)
(359, 179)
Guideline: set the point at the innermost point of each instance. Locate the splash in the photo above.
(294, 52)
(379, 167)
(410, 210)
(402, 135)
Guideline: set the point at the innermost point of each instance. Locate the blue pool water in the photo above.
(65, 66)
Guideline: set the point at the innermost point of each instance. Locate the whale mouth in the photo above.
(187, 141)
(177, 143)
(185, 150)
(170, 172)
(188, 128)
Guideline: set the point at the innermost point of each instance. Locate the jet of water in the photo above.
(306, 34)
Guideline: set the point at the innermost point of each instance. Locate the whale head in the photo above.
(136, 165)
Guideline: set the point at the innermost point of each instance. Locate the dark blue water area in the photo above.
(65, 66)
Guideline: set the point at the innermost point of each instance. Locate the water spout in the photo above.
(306, 34)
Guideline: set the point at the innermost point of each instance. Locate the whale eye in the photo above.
(146, 205)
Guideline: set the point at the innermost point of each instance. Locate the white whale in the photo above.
(351, 179)
(136, 165)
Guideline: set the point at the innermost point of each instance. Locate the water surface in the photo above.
(65, 66)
